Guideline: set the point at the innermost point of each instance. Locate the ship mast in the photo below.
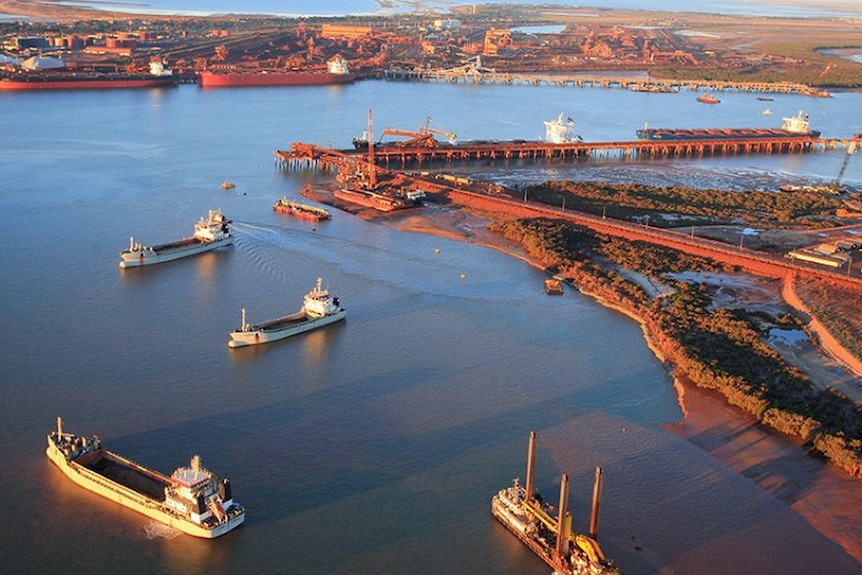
(372, 174)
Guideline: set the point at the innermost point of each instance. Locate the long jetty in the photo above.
(493, 198)
(394, 155)
(472, 75)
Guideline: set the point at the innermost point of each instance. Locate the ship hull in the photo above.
(241, 80)
(282, 328)
(170, 252)
(13, 85)
(104, 486)
(518, 527)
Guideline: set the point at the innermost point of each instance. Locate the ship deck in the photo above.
(282, 322)
(118, 470)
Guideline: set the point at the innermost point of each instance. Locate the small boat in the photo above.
(765, 99)
(210, 234)
(708, 99)
(767, 112)
(300, 210)
(318, 309)
(192, 499)
(553, 286)
(227, 185)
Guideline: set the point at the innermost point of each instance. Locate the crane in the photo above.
(421, 138)
(835, 186)
(426, 128)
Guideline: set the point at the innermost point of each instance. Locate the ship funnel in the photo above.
(597, 495)
(562, 531)
(59, 426)
(531, 465)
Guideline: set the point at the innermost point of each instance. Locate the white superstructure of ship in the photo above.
(561, 131)
(799, 124)
(211, 233)
(318, 309)
(192, 500)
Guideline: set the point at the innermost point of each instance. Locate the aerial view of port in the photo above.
(545, 287)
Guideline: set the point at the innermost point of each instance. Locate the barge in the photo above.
(211, 233)
(300, 210)
(192, 500)
(318, 309)
(521, 510)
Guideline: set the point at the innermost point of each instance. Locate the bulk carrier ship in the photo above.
(59, 79)
(191, 500)
(795, 126)
(337, 72)
(522, 511)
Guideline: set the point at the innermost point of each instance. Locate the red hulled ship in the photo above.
(61, 79)
(336, 73)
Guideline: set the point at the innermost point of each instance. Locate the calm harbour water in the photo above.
(373, 446)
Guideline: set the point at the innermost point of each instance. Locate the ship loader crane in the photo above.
(421, 138)
(835, 186)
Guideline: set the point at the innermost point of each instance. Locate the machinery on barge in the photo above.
(522, 511)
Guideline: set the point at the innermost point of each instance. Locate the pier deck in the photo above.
(301, 153)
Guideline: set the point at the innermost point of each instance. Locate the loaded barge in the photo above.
(212, 233)
(521, 510)
(191, 500)
(300, 210)
(795, 126)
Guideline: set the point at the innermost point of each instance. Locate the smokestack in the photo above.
(597, 495)
(531, 464)
(562, 538)
(59, 426)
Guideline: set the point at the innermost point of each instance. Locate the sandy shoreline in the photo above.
(775, 462)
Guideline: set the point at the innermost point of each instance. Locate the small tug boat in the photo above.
(708, 99)
(210, 234)
(318, 309)
(522, 511)
(300, 210)
(191, 500)
(553, 286)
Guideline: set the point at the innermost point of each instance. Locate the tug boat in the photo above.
(318, 309)
(521, 510)
(210, 233)
(300, 210)
(191, 500)
(708, 99)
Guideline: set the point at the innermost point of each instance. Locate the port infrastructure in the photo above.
(401, 155)
(472, 72)
(494, 198)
